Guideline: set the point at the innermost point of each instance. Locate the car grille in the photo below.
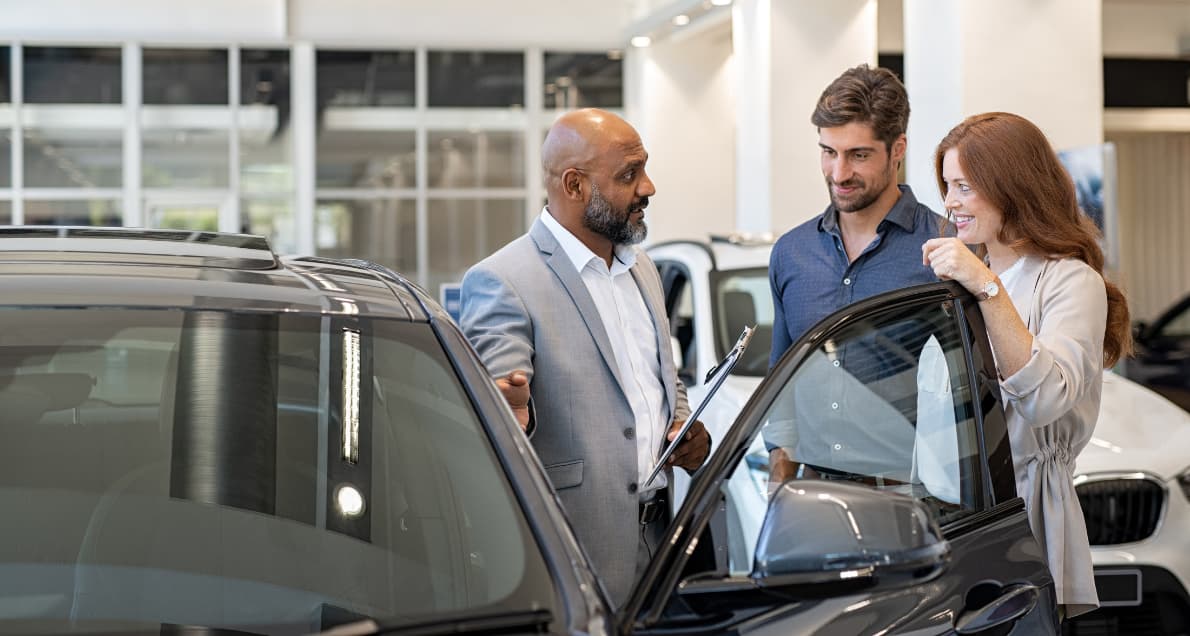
(1121, 510)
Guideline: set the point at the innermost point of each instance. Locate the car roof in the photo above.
(127, 267)
(733, 251)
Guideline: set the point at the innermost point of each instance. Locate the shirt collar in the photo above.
(903, 213)
(579, 254)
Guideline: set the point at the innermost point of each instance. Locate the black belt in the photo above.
(652, 511)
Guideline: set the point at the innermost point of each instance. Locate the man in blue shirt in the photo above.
(868, 241)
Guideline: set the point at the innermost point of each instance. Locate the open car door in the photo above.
(867, 488)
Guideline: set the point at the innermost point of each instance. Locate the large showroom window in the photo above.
(5, 135)
(366, 166)
(264, 132)
(71, 132)
(424, 161)
(581, 80)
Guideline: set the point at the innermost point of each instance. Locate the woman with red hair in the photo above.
(1054, 322)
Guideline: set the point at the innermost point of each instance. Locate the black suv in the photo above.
(196, 434)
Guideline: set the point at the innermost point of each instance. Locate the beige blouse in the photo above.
(1052, 404)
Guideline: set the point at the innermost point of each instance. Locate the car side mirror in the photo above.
(830, 538)
(839, 526)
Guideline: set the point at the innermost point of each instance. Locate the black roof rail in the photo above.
(219, 249)
(222, 239)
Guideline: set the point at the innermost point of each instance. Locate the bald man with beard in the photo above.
(570, 320)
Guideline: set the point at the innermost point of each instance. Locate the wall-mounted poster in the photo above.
(1093, 169)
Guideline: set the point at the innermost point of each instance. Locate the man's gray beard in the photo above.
(600, 217)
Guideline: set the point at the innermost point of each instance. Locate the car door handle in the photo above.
(1013, 602)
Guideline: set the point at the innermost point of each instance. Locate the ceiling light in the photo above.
(641, 41)
(720, 3)
(681, 19)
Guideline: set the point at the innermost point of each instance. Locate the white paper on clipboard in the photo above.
(718, 373)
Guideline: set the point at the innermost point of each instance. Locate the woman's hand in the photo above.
(952, 260)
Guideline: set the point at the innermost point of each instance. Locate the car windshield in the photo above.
(271, 473)
(741, 298)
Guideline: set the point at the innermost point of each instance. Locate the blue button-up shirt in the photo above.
(811, 278)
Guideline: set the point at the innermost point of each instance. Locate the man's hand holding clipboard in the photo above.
(686, 432)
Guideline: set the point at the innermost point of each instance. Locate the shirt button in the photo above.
(629, 433)
(838, 447)
(836, 363)
(835, 405)
(846, 281)
(632, 488)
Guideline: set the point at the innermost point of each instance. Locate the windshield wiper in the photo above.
(514, 622)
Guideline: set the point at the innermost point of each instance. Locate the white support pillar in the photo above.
(305, 131)
(132, 94)
(1041, 60)
(785, 54)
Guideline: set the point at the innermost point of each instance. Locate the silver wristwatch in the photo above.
(989, 289)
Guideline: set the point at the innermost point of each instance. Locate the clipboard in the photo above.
(719, 373)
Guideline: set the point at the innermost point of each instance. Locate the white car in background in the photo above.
(1133, 479)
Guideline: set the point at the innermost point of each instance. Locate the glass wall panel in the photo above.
(383, 231)
(365, 78)
(581, 80)
(185, 76)
(72, 75)
(476, 78)
(367, 159)
(266, 164)
(185, 158)
(484, 159)
(5, 212)
(272, 219)
(264, 76)
(84, 212)
(182, 216)
(6, 158)
(463, 231)
(70, 158)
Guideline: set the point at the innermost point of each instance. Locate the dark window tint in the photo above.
(886, 401)
(185, 76)
(273, 474)
(476, 79)
(72, 75)
(580, 80)
(365, 78)
(5, 88)
(264, 77)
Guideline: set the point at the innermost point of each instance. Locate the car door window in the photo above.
(742, 298)
(679, 304)
(885, 402)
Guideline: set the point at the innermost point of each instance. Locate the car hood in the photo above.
(1137, 430)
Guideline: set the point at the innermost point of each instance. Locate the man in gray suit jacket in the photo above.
(573, 314)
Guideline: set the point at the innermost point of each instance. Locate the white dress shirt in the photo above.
(633, 337)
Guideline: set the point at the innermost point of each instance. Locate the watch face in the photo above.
(990, 289)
